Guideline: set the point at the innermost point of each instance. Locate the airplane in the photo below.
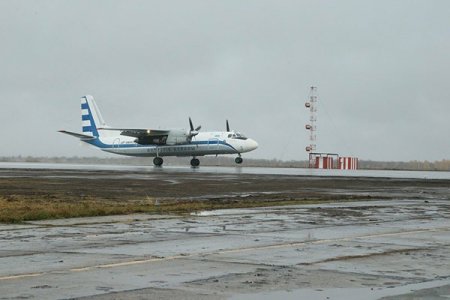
(158, 143)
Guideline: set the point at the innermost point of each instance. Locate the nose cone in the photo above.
(252, 144)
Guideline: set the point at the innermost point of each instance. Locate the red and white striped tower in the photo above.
(312, 105)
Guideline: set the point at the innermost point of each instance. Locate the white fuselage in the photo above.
(205, 143)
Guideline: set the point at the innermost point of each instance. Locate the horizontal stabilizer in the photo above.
(78, 135)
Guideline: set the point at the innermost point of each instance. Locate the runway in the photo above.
(234, 170)
(340, 250)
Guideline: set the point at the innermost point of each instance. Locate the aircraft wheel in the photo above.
(158, 161)
(195, 162)
(238, 160)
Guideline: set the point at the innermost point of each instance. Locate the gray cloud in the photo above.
(381, 68)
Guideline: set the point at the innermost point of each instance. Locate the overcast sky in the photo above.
(381, 67)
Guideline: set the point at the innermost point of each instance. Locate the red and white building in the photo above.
(332, 161)
(322, 160)
(348, 163)
(323, 163)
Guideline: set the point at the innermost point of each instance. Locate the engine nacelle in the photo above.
(176, 137)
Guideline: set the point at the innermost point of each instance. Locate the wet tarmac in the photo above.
(353, 250)
(234, 170)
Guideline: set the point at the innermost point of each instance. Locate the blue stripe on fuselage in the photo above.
(98, 143)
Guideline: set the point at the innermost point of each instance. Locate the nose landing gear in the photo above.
(238, 160)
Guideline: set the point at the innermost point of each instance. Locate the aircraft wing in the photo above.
(138, 133)
(78, 135)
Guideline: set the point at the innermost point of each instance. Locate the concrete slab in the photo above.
(373, 248)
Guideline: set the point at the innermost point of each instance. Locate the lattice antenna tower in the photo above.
(312, 106)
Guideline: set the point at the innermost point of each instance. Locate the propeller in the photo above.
(193, 132)
(228, 127)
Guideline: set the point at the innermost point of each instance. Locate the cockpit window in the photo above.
(238, 136)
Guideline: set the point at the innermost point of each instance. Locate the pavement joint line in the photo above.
(324, 241)
(185, 256)
(20, 276)
(128, 263)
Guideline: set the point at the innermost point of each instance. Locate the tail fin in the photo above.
(91, 118)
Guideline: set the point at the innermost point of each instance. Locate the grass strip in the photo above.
(19, 209)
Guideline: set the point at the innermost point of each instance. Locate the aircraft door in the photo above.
(116, 143)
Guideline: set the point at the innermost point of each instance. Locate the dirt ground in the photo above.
(73, 185)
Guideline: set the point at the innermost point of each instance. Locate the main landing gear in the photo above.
(158, 161)
(195, 162)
